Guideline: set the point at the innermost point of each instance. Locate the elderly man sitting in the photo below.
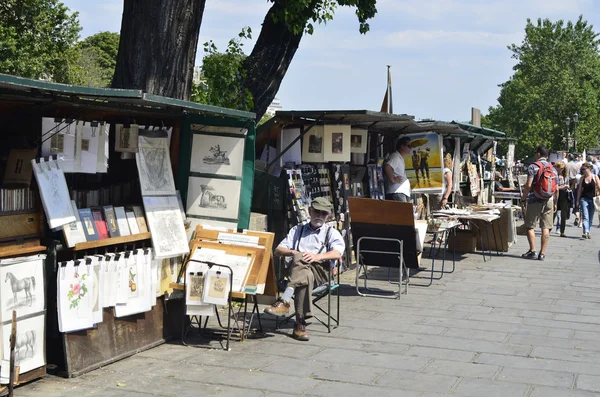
(313, 247)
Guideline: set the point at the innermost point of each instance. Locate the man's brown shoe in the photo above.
(280, 308)
(300, 332)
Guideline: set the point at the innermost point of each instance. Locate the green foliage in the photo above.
(92, 62)
(301, 15)
(222, 75)
(557, 75)
(266, 117)
(35, 37)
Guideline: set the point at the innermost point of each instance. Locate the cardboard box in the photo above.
(465, 241)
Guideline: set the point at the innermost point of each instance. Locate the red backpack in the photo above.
(545, 184)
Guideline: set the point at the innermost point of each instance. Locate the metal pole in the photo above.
(567, 137)
(575, 137)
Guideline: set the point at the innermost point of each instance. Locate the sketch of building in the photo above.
(154, 167)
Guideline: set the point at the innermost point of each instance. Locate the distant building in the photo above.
(197, 75)
(274, 107)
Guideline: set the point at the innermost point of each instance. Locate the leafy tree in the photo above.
(222, 75)
(557, 74)
(35, 37)
(159, 39)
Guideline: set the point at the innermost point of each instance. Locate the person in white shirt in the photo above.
(397, 184)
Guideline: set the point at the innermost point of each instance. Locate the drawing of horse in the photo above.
(27, 284)
(26, 340)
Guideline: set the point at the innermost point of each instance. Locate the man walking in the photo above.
(540, 193)
(397, 184)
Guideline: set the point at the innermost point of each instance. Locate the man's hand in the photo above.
(310, 257)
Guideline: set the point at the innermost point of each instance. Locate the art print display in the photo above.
(294, 154)
(217, 287)
(29, 342)
(214, 154)
(218, 198)
(424, 163)
(102, 157)
(126, 138)
(154, 165)
(59, 139)
(358, 140)
(54, 192)
(312, 145)
(75, 283)
(194, 281)
(73, 231)
(18, 167)
(111, 221)
(137, 268)
(94, 263)
(166, 226)
(23, 286)
(86, 149)
(336, 143)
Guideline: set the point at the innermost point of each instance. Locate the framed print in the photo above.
(30, 352)
(358, 140)
(216, 198)
(336, 143)
(126, 138)
(312, 145)
(214, 154)
(154, 165)
(23, 286)
(424, 163)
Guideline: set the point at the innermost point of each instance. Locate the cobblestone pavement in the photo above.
(506, 327)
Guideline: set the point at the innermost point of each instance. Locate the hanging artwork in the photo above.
(214, 154)
(29, 343)
(94, 264)
(218, 198)
(194, 281)
(23, 286)
(358, 140)
(154, 164)
(74, 287)
(126, 138)
(138, 281)
(18, 167)
(54, 192)
(102, 156)
(312, 145)
(294, 154)
(59, 139)
(336, 143)
(217, 287)
(166, 226)
(88, 135)
(424, 163)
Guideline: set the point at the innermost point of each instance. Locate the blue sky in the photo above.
(446, 55)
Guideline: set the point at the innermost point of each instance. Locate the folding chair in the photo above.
(320, 292)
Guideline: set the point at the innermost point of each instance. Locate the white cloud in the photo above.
(431, 39)
(245, 7)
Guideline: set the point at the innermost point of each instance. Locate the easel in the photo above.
(260, 278)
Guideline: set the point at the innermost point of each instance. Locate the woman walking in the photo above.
(563, 200)
(586, 190)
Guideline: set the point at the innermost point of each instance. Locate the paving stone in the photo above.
(588, 382)
(455, 368)
(543, 391)
(537, 377)
(490, 388)
(328, 389)
(406, 380)
(577, 355)
(491, 336)
(376, 360)
(438, 353)
(537, 363)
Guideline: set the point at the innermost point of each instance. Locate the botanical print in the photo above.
(154, 167)
(77, 290)
(213, 197)
(424, 163)
(133, 280)
(213, 154)
(23, 287)
(29, 342)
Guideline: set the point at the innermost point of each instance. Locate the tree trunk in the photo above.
(269, 61)
(157, 49)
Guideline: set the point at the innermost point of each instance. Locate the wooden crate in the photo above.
(23, 224)
(465, 241)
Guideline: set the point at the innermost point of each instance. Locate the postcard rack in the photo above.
(196, 321)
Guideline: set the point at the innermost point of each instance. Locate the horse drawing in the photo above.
(26, 340)
(26, 284)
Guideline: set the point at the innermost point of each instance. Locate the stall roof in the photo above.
(21, 89)
(490, 133)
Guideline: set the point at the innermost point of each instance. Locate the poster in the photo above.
(336, 143)
(214, 154)
(424, 163)
(166, 226)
